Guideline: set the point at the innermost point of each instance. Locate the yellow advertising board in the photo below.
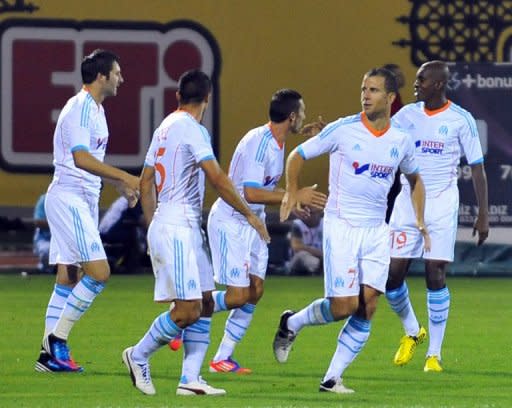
(250, 48)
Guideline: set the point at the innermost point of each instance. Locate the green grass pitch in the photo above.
(477, 351)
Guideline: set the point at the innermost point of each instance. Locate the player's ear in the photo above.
(391, 97)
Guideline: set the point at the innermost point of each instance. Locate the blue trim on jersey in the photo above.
(415, 171)
(223, 257)
(300, 150)
(79, 147)
(331, 127)
(79, 234)
(469, 118)
(478, 161)
(328, 267)
(206, 158)
(86, 109)
(262, 148)
(178, 269)
(252, 184)
(148, 165)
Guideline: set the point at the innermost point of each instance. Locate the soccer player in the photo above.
(178, 159)
(365, 151)
(442, 131)
(239, 255)
(71, 205)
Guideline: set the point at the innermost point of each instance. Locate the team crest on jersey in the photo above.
(394, 153)
(339, 282)
(192, 284)
(95, 247)
(376, 170)
(357, 148)
(431, 146)
(235, 273)
(443, 130)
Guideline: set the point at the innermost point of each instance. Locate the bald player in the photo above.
(442, 132)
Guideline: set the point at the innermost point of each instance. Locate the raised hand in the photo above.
(313, 128)
(312, 198)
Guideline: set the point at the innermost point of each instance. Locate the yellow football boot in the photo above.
(432, 364)
(408, 347)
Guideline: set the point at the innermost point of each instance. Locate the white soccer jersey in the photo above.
(179, 144)
(81, 126)
(257, 162)
(441, 137)
(362, 165)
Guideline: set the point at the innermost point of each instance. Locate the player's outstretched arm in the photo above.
(125, 183)
(148, 193)
(480, 186)
(227, 191)
(294, 165)
(418, 203)
(312, 198)
(313, 128)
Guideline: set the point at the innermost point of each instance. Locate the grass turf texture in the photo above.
(476, 358)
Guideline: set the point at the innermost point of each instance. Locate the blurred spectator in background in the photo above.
(395, 107)
(400, 82)
(123, 235)
(306, 244)
(41, 241)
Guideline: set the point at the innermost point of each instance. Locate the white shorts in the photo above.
(237, 251)
(440, 219)
(73, 224)
(181, 262)
(354, 256)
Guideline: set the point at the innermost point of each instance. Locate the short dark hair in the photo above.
(97, 62)
(194, 86)
(283, 103)
(390, 82)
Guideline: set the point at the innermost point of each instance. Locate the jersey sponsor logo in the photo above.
(430, 146)
(271, 181)
(101, 143)
(376, 170)
(152, 58)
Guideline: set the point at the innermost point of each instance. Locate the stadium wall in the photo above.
(320, 48)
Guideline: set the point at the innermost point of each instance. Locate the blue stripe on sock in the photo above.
(325, 308)
(92, 284)
(248, 308)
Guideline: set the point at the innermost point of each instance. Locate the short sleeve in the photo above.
(200, 143)
(325, 142)
(470, 141)
(409, 165)
(75, 128)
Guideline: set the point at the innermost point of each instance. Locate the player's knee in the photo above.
(186, 313)
(436, 274)
(343, 307)
(207, 304)
(236, 297)
(256, 293)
